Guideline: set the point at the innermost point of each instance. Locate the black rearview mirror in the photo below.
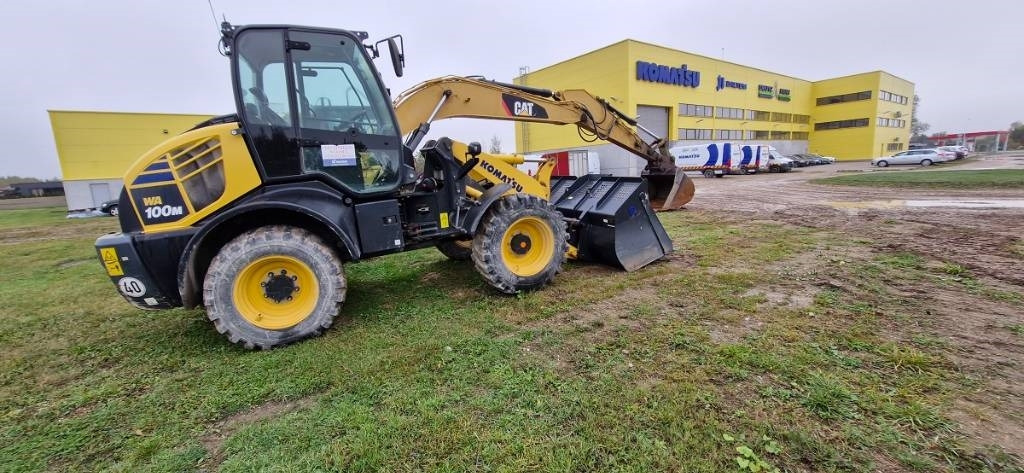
(397, 56)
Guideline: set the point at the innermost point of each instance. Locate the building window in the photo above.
(691, 110)
(891, 122)
(782, 117)
(851, 97)
(730, 134)
(891, 97)
(801, 119)
(857, 122)
(780, 135)
(727, 112)
(894, 147)
(694, 134)
(799, 135)
(759, 115)
(761, 134)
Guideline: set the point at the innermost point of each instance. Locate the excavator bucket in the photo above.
(670, 192)
(611, 220)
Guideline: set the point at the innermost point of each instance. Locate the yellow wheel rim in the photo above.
(527, 246)
(275, 292)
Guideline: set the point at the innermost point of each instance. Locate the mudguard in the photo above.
(311, 201)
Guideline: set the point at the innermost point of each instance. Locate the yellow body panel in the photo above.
(611, 72)
(239, 172)
(101, 145)
(497, 169)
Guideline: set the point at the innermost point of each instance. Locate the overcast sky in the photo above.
(965, 58)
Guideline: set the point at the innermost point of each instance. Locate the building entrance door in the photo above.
(653, 118)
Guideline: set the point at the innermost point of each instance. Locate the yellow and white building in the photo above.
(96, 148)
(692, 99)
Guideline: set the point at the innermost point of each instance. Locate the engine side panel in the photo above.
(186, 178)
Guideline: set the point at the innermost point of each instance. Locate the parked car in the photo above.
(822, 159)
(801, 160)
(109, 207)
(959, 151)
(924, 157)
(946, 155)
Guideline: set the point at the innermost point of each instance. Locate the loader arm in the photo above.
(454, 96)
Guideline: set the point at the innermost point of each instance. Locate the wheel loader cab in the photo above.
(312, 105)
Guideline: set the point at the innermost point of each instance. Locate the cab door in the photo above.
(312, 104)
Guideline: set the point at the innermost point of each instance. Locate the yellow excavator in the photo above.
(253, 214)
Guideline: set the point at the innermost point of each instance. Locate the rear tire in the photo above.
(708, 173)
(882, 164)
(926, 162)
(520, 244)
(272, 286)
(457, 250)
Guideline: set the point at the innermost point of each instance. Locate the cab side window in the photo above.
(262, 79)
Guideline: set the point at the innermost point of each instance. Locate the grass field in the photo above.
(994, 178)
(756, 344)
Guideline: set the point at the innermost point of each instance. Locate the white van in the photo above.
(752, 158)
(777, 162)
(711, 159)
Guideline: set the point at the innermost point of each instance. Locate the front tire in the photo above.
(520, 244)
(272, 286)
(112, 211)
(882, 164)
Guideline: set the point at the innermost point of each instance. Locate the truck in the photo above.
(710, 159)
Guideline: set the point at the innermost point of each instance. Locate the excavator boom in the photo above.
(470, 97)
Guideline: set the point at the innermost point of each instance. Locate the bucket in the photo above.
(611, 220)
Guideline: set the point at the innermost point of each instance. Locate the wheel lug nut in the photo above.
(295, 278)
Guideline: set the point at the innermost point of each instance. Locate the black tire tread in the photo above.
(241, 247)
(487, 242)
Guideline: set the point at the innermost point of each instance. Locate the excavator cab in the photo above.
(311, 103)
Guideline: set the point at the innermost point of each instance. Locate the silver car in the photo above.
(924, 157)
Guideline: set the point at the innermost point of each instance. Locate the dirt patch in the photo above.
(958, 309)
(213, 439)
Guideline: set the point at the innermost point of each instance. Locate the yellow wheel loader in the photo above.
(253, 214)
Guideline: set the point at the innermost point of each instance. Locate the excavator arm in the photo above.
(454, 96)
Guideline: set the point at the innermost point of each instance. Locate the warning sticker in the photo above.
(444, 219)
(338, 155)
(111, 261)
